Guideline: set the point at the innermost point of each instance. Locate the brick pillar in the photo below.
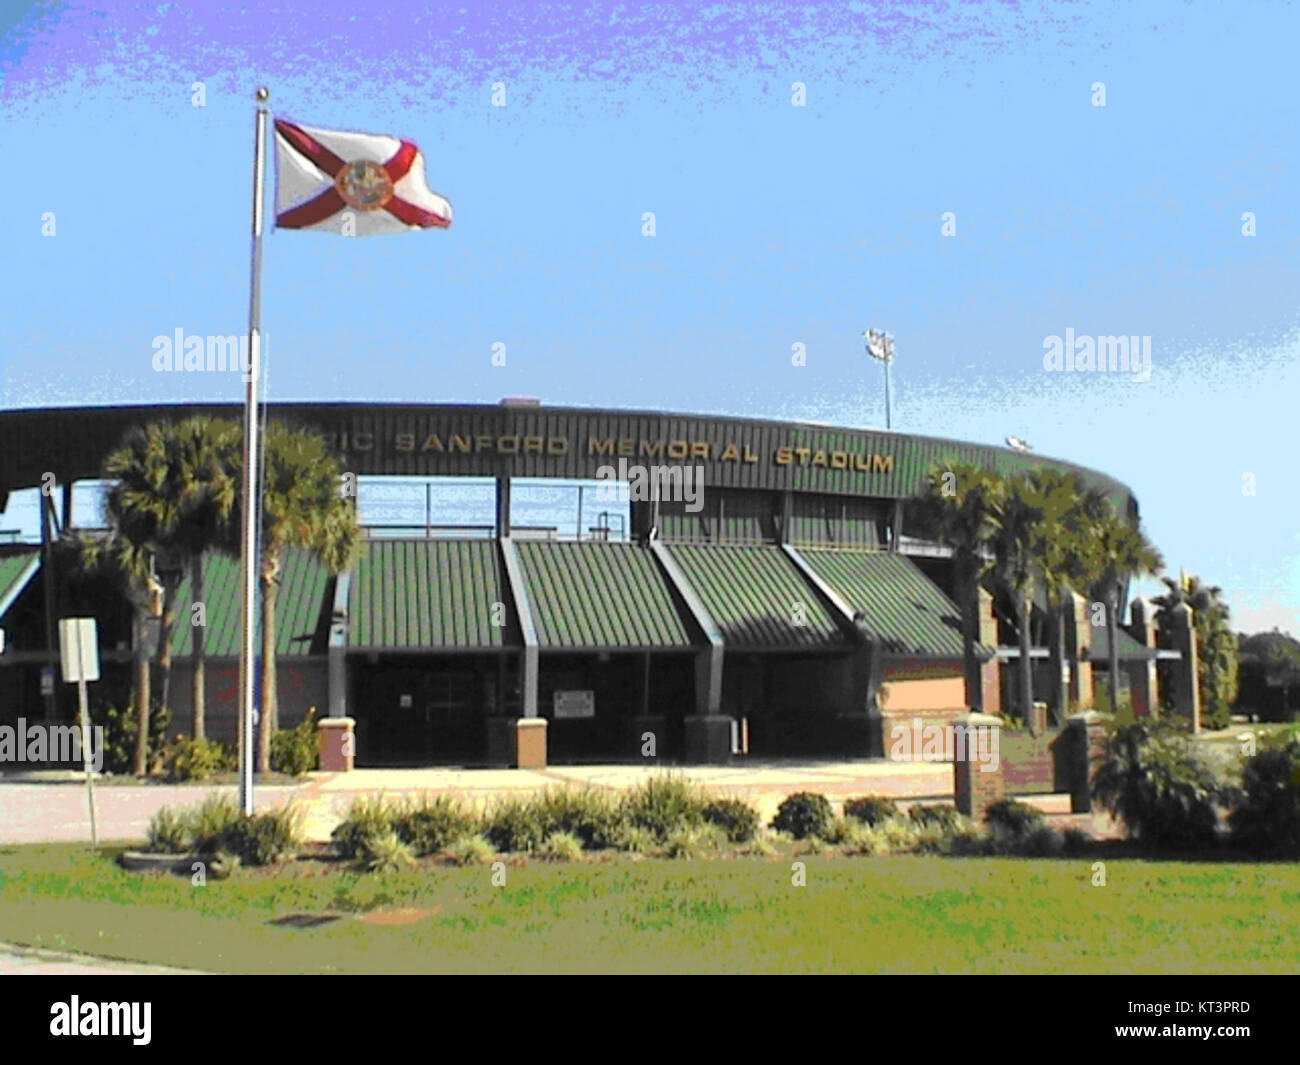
(1142, 675)
(1078, 637)
(977, 765)
(530, 743)
(337, 744)
(1180, 635)
(1084, 746)
(990, 671)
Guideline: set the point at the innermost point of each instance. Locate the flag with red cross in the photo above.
(353, 184)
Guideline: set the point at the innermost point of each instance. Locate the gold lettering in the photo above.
(625, 447)
(652, 447)
(803, 454)
(508, 445)
(678, 449)
(819, 459)
(784, 456)
(730, 454)
(862, 462)
(363, 441)
(839, 460)
(882, 463)
(460, 443)
(750, 456)
(434, 443)
(532, 444)
(599, 447)
(700, 450)
(557, 445)
(405, 441)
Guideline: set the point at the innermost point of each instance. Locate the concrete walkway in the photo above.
(28, 961)
(49, 812)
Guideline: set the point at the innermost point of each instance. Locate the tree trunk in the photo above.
(1024, 611)
(270, 584)
(1058, 691)
(968, 592)
(1112, 633)
(165, 631)
(198, 670)
(141, 695)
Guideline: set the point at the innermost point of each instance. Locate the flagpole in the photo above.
(252, 463)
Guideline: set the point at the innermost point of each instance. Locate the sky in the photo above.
(974, 178)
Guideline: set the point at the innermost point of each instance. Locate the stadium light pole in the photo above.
(880, 345)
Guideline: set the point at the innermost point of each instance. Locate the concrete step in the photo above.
(1058, 803)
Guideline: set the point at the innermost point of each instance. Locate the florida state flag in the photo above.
(353, 184)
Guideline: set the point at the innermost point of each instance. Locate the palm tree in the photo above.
(302, 506)
(125, 551)
(1119, 551)
(176, 484)
(210, 452)
(1016, 543)
(1061, 548)
(957, 511)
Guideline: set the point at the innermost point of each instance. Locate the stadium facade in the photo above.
(783, 609)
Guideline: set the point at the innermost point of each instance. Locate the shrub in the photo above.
(1040, 841)
(387, 853)
(737, 818)
(169, 833)
(561, 847)
(471, 850)
(1154, 780)
(664, 804)
(590, 815)
(1013, 818)
(119, 737)
(267, 837)
(636, 839)
(296, 751)
(210, 823)
(514, 825)
(434, 822)
(843, 830)
(1268, 816)
(870, 809)
(803, 814)
(367, 818)
(945, 817)
(187, 758)
(694, 841)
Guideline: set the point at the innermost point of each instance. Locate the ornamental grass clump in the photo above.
(664, 804)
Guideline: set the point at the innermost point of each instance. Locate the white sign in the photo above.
(575, 704)
(79, 648)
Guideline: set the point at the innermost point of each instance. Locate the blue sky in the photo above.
(775, 224)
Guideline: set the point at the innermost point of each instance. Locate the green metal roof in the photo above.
(599, 595)
(753, 594)
(1129, 648)
(901, 605)
(302, 607)
(428, 594)
(15, 572)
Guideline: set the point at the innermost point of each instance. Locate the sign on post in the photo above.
(79, 649)
(79, 656)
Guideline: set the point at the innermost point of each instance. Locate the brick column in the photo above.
(337, 744)
(530, 743)
(990, 671)
(1083, 747)
(1078, 638)
(1179, 633)
(977, 763)
(1142, 675)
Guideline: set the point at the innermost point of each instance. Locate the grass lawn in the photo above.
(915, 914)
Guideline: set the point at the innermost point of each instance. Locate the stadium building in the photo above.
(779, 606)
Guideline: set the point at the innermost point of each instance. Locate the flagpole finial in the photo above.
(263, 94)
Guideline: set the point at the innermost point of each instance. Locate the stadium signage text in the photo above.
(596, 447)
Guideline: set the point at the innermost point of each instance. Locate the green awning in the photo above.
(429, 595)
(599, 596)
(16, 571)
(1129, 649)
(758, 598)
(302, 607)
(901, 606)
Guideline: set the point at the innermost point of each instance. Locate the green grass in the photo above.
(896, 915)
